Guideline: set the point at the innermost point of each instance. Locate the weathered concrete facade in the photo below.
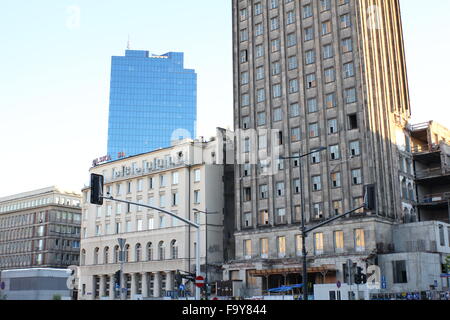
(322, 74)
(431, 150)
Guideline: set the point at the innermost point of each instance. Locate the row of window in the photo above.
(107, 229)
(307, 10)
(137, 255)
(350, 95)
(38, 202)
(22, 220)
(174, 201)
(316, 185)
(138, 185)
(280, 217)
(282, 246)
(329, 75)
(313, 131)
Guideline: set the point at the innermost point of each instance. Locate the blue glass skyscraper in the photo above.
(153, 100)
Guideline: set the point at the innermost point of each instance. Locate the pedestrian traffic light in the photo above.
(97, 189)
(117, 277)
(369, 197)
(360, 278)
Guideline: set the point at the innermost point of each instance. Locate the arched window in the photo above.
(138, 252)
(116, 254)
(411, 192)
(106, 255)
(127, 253)
(149, 251)
(83, 257)
(174, 249)
(161, 250)
(96, 255)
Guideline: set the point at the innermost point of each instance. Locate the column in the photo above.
(144, 285)
(157, 285)
(169, 281)
(133, 287)
(112, 286)
(102, 286)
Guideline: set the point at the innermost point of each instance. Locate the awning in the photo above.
(284, 271)
(285, 288)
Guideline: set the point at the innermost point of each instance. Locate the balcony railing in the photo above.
(424, 148)
(435, 198)
(431, 172)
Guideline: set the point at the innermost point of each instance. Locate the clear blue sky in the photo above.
(55, 64)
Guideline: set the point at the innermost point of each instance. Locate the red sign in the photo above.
(199, 281)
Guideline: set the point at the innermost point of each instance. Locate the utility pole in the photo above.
(206, 246)
(121, 258)
(303, 227)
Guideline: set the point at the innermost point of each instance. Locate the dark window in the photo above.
(399, 271)
(352, 122)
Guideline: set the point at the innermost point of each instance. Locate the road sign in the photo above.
(199, 281)
(338, 284)
(182, 287)
(383, 282)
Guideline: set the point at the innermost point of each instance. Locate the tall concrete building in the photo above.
(317, 74)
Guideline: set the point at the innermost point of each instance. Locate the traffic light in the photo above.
(360, 278)
(97, 189)
(369, 197)
(117, 277)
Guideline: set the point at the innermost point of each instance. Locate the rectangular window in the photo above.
(197, 196)
(247, 249)
(247, 194)
(281, 247)
(298, 244)
(280, 189)
(247, 219)
(318, 243)
(339, 241)
(281, 216)
(174, 177)
(355, 149)
(264, 244)
(264, 218)
(360, 243)
(337, 207)
(399, 271)
(197, 175)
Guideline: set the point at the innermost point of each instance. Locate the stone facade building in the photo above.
(40, 228)
(188, 175)
(311, 74)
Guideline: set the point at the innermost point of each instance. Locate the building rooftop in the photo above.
(38, 192)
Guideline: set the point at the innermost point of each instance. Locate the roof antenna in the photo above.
(128, 43)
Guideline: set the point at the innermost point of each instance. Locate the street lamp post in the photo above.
(121, 258)
(206, 246)
(303, 227)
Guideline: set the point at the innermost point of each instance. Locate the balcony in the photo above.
(432, 173)
(437, 199)
(425, 148)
